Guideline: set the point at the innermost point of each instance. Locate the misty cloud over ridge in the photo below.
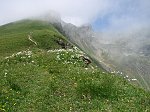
(103, 14)
(77, 12)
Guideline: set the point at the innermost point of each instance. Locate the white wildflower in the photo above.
(29, 53)
(19, 53)
(5, 74)
(118, 72)
(6, 57)
(134, 79)
(72, 56)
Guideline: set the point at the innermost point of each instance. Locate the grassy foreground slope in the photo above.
(43, 77)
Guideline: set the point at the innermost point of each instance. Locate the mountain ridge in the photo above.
(50, 77)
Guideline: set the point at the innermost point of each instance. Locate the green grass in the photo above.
(14, 36)
(38, 80)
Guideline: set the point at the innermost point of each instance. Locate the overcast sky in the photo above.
(102, 14)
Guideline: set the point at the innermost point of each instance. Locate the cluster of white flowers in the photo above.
(69, 62)
(117, 72)
(27, 53)
(125, 77)
(67, 56)
(134, 79)
(74, 49)
(22, 56)
(129, 79)
(60, 50)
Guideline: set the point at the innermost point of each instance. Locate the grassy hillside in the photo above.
(43, 77)
(14, 36)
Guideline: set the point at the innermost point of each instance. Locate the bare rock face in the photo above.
(82, 36)
(76, 34)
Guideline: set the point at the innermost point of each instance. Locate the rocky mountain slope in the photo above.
(127, 54)
(42, 71)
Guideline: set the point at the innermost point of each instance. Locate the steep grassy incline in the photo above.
(37, 75)
(14, 37)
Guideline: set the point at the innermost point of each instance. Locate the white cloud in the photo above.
(77, 11)
(121, 13)
(131, 15)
